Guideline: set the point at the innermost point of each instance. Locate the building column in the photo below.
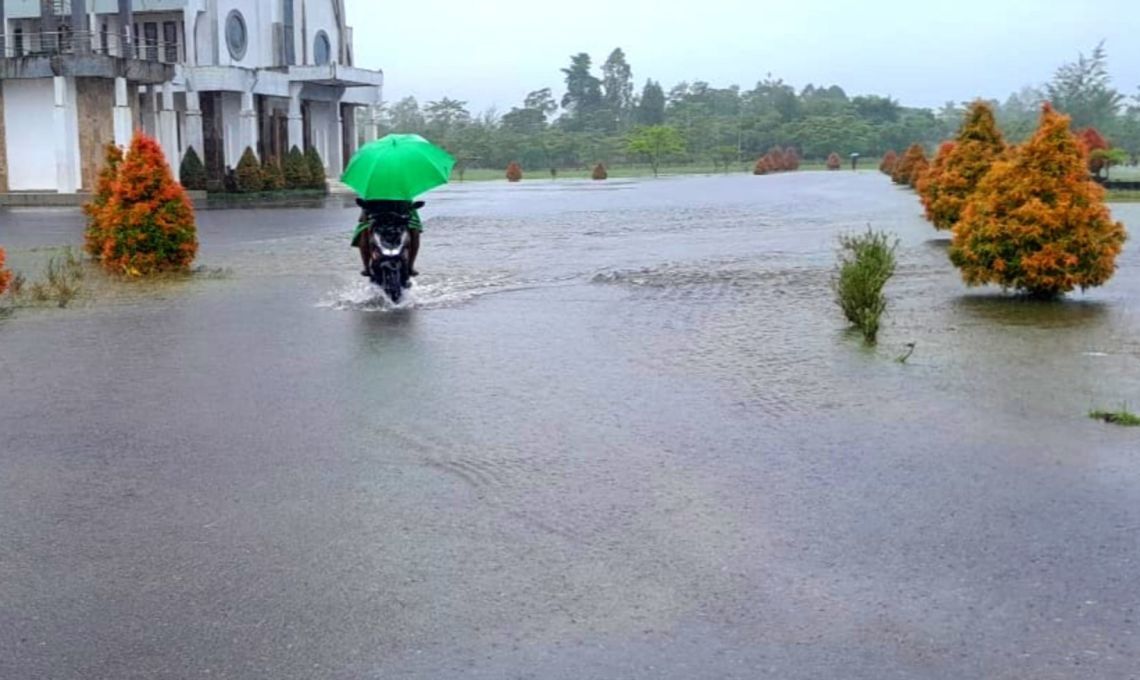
(66, 160)
(168, 130)
(335, 162)
(194, 135)
(247, 127)
(122, 113)
(296, 120)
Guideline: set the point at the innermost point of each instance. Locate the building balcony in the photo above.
(85, 55)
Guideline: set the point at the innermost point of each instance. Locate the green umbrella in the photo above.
(397, 168)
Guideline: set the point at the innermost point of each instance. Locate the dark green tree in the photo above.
(249, 179)
(583, 96)
(296, 170)
(651, 107)
(316, 169)
(1083, 90)
(192, 172)
(617, 88)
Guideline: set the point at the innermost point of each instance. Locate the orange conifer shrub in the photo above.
(929, 184)
(905, 167)
(94, 236)
(5, 275)
(791, 159)
(514, 172)
(763, 167)
(833, 162)
(917, 172)
(887, 165)
(1036, 222)
(1091, 140)
(776, 160)
(599, 173)
(146, 224)
(977, 146)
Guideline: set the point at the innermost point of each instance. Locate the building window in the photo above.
(103, 39)
(150, 33)
(322, 49)
(236, 35)
(18, 42)
(170, 42)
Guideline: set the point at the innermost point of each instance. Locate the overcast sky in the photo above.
(922, 52)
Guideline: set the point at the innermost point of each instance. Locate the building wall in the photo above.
(3, 145)
(96, 100)
(231, 120)
(28, 121)
(259, 44)
(319, 16)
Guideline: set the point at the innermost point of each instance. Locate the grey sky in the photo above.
(920, 52)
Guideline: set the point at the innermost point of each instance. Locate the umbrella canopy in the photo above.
(397, 168)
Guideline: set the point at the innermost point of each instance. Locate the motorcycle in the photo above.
(388, 241)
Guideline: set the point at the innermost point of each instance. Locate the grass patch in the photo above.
(61, 283)
(866, 263)
(624, 171)
(1123, 196)
(1123, 417)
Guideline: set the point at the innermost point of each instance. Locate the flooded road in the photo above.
(619, 433)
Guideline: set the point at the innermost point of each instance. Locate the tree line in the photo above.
(598, 112)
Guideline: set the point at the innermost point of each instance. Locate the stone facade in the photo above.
(96, 100)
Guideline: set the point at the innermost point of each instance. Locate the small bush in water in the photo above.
(866, 263)
(5, 275)
(833, 161)
(600, 173)
(514, 172)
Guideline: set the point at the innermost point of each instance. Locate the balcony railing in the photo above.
(49, 44)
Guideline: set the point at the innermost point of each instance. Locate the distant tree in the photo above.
(1037, 223)
(443, 116)
(651, 107)
(877, 110)
(833, 161)
(192, 173)
(249, 178)
(524, 121)
(583, 96)
(887, 166)
(316, 169)
(514, 172)
(724, 156)
(1082, 89)
(599, 173)
(406, 116)
(1092, 141)
(541, 101)
(977, 146)
(617, 88)
(296, 170)
(1110, 158)
(656, 143)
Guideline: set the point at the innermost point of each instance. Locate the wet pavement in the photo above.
(619, 432)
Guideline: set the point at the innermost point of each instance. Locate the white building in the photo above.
(215, 75)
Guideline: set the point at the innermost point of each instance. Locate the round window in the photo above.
(236, 35)
(322, 49)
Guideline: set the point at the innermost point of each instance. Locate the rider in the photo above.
(415, 228)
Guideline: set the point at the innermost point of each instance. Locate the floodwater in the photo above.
(619, 432)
